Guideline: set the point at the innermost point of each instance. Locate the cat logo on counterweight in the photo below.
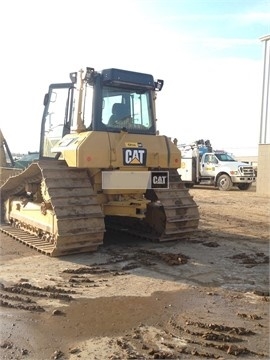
(134, 156)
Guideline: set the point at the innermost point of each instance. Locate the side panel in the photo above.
(186, 170)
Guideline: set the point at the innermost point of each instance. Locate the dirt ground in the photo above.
(203, 297)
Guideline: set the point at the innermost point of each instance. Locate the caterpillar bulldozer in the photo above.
(102, 165)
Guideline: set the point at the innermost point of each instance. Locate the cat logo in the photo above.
(159, 179)
(134, 156)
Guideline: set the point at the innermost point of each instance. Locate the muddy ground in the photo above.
(204, 297)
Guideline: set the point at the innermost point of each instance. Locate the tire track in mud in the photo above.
(251, 260)
(27, 294)
(177, 338)
(175, 341)
(24, 296)
(96, 275)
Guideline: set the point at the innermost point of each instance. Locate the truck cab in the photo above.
(224, 171)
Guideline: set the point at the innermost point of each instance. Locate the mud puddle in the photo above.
(167, 325)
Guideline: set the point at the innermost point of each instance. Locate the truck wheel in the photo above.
(244, 186)
(224, 182)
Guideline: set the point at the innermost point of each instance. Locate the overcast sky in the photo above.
(208, 52)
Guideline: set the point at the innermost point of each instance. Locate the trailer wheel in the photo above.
(244, 186)
(224, 182)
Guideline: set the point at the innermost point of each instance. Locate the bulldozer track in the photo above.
(172, 214)
(181, 211)
(28, 239)
(80, 221)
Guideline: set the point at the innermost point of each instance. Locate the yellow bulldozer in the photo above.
(102, 165)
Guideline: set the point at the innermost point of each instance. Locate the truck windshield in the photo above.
(126, 108)
(224, 157)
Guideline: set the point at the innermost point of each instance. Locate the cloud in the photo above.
(251, 18)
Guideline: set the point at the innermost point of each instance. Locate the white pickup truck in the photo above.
(216, 168)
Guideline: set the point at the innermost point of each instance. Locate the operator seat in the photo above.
(119, 112)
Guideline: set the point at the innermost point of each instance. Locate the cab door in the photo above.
(209, 164)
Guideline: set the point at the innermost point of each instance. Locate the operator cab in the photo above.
(127, 101)
(112, 100)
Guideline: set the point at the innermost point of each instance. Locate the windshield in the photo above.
(125, 108)
(224, 157)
